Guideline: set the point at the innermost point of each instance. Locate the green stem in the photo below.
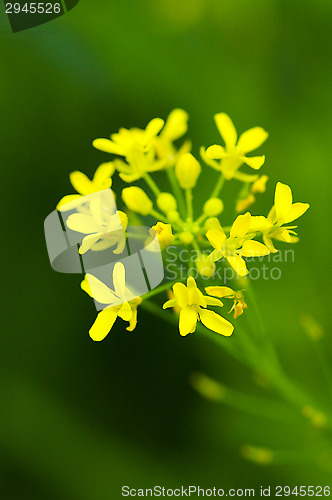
(158, 216)
(151, 183)
(201, 218)
(289, 391)
(218, 187)
(189, 201)
(252, 405)
(159, 289)
(177, 191)
(324, 363)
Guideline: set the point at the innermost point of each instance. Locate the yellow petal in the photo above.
(215, 322)
(252, 139)
(130, 177)
(153, 128)
(245, 177)
(83, 224)
(226, 129)
(213, 223)
(187, 321)
(119, 279)
(216, 238)
(196, 297)
(216, 152)
(252, 248)
(169, 303)
(103, 174)
(209, 161)
(240, 226)
(132, 321)
(269, 244)
(86, 287)
(296, 210)
(238, 264)
(81, 183)
(181, 294)
(220, 291)
(99, 291)
(176, 125)
(69, 202)
(121, 245)
(108, 146)
(283, 200)
(191, 283)
(125, 312)
(259, 223)
(89, 241)
(254, 162)
(103, 324)
(211, 301)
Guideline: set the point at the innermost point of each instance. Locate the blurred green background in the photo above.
(80, 419)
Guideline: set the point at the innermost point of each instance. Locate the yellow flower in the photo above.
(137, 147)
(103, 229)
(224, 291)
(102, 179)
(248, 198)
(282, 212)
(163, 233)
(239, 244)
(125, 309)
(193, 305)
(175, 127)
(127, 140)
(137, 200)
(233, 155)
(187, 171)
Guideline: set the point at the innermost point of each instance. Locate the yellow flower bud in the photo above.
(164, 234)
(173, 216)
(166, 202)
(205, 266)
(261, 456)
(187, 171)
(213, 207)
(137, 200)
(208, 387)
(186, 237)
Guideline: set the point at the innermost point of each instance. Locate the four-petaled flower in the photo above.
(239, 244)
(126, 303)
(193, 307)
(103, 226)
(282, 212)
(233, 155)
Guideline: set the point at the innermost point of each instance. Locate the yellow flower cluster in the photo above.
(171, 211)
